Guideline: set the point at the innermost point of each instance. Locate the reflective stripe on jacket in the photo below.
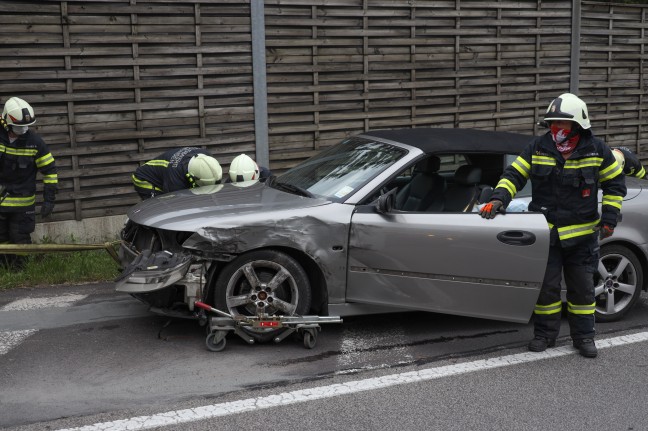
(633, 166)
(566, 191)
(20, 161)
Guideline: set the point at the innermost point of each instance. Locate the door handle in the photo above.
(516, 237)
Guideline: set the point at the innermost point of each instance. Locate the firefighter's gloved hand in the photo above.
(46, 209)
(604, 230)
(491, 209)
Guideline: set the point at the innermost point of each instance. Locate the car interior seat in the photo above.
(464, 191)
(425, 192)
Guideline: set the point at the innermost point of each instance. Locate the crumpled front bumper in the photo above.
(153, 271)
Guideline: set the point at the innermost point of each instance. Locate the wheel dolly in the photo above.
(219, 327)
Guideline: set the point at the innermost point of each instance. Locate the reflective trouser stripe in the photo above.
(554, 308)
(581, 309)
(13, 201)
(144, 184)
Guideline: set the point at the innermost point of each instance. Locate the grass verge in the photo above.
(61, 268)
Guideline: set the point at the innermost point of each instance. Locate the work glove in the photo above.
(491, 209)
(604, 230)
(49, 196)
(46, 209)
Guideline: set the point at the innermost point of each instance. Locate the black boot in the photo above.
(540, 344)
(586, 347)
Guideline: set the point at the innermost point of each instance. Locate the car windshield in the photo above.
(337, 172)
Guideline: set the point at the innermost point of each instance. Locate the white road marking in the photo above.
(317, 393)
(10, 339)
(38, 303)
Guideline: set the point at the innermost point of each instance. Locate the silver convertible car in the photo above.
(384, 221)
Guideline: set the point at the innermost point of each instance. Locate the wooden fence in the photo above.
(115, 83)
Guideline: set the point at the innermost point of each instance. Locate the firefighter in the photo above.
(243, 168)
(566, 166)
(631, 165)
(176, 169)
(22, 154)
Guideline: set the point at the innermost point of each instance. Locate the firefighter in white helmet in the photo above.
(243, 168)
(176, 169)
(567, 166)
(632, 166)
(23, 153)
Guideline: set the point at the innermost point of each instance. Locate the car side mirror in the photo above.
(386, 202)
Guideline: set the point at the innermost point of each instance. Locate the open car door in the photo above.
(453, 263)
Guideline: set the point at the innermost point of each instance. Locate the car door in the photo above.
(454, 263)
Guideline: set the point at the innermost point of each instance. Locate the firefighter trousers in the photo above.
(578, 263)
(16, 228)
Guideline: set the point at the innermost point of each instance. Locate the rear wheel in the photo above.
(263, 281)
(618, 283)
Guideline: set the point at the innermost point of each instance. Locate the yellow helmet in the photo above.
(205, 170)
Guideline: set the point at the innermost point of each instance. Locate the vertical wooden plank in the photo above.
(199, 72)
(457, 65)
(139, 126)
(642, 84)
(70, 110)
(365, 63)
(413, 66)
(315, 63)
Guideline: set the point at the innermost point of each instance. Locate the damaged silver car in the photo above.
(383, 221)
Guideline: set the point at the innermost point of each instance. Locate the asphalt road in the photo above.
(87, 356)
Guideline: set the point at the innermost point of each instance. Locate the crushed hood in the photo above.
(220, 205)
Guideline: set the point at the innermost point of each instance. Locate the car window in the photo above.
(337, 172)
(450, 163)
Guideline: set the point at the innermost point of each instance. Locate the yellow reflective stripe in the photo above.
(610, 172)
(191, 180)
(11, 201)
(50, 179)
(144, 184)
(30, 152)
(583, 163)
(575, 230)
(45, 160)
(613, 201)
(522, 166)
(548, 309)
(163, 163)
(581, 309)
(508, 186)
(543, 160)
(641, 173)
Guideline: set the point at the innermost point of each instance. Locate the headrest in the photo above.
(429, 165)
(468, 175)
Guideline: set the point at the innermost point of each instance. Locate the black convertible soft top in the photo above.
(438, 140)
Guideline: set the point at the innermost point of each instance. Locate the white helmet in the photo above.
(570, 108)
(243, 168)
(205, 170)
(17, 112)
(619, 156)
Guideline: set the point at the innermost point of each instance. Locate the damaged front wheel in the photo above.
(263, 282)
